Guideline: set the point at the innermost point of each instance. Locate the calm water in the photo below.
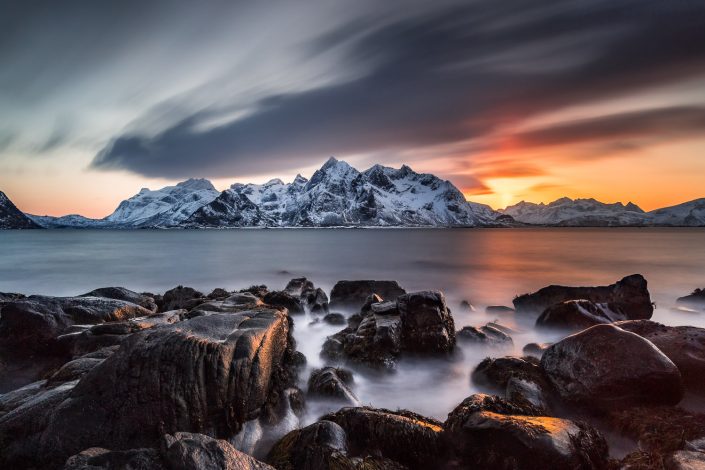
(486, 266)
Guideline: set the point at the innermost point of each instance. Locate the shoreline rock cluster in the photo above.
(120, 379)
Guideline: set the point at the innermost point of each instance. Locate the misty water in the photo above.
(484, 266)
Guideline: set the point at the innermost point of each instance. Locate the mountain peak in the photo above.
(196, 184)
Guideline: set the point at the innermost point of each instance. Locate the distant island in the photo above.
(338, 195)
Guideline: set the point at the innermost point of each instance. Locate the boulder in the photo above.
(485, 336)
(98, 458)
(297, 286)
(218, 294)
(487, 432)
(695, 299)
(606, 367)
(181, 297)
(535, 349)
(333, 383)
(576, 315)
(285, 300)
(683, 345)
(209, 374)
(628, 298)
(351, 295)
(335, 319)
(316, 300)
(120, 293)
(402, 436)
(520, 379)
(427, 325)
(237, 302)
(466, 306)
(493, 309)
(258, 291)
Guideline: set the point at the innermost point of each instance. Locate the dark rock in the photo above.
(526, 392)
(181, 297)
(10, 296)
(695, 299)
(97, 458)
(484, 335)
(498, 309)
(628, 298)
(427, 325)
(405, 437)
(535, 349)
(218, 294)
(494, 373)
(321, 445)
(258, 291)
(74, 370)
(298, 285)
(238, 302)
(316, 300)
(351, 295)
(504, 329)
(606, 367)
(335, 319)
(284, 299)
(196, 451)
(575, 315)
(120, 293)
(385, 308)
(487, 432)
(683, 345)
(332, 382)
(369, 302)
(466, 306)
(208, 374)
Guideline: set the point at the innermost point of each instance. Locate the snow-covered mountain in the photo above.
(592, 213)
(577, 212)
(339, 195)
(13, 218)
(66, 221)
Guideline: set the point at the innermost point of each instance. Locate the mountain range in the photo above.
(338, 195)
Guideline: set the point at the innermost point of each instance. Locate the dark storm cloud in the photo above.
(444, 76)
(651, 125)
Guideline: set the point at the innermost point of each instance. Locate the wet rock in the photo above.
(629, 298)
(258, 291)
(335, 319)
(576, 315)
(318, 446)
(10, 296)
(466, 306)
(503, 328)
(385, 308)
(218, 294)
(334, 383)
(683, 345)
(181, 297)
(369, 302)
(209, 374)
(74, 370)
(120, 293)
(316, 300)
(695, 299)
(494, 373)
(196, 451)
(402, 436)
(498, 309)
(235, 303)
(298, 285)
(484, 335)
(606, 367)
(535, 349)
(285, 300)
(351, 295)
(97, 458)
(526, 392)
(685, 460)
(487, 432)
(427, 325)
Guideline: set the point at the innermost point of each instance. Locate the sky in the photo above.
(510, 100)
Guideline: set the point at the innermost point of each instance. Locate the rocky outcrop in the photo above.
(402, 436)
(695, 299)
(605, 367)
(181, 451)
(285, 300)
(181, 297)
(521, 380)
(535, 349)
(209, 374)
(120, 293)
(316, 300)
(485, 336)
(576, 315)
(333, 383)
(11, 218)
(487, 432)
(683, 345)
(629, 298)
(351, 295)
(335, 319)
(418, 323)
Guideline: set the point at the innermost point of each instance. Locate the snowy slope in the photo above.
(13, 218)
(339, 195)
(577, 212)
(166, 207)
(689, 214)
(66, 221)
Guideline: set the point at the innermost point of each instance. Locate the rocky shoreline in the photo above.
(120, 379)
